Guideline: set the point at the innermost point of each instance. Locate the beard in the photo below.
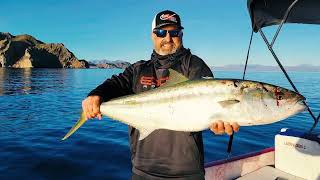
(167, 48)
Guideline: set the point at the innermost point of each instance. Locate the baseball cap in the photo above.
(166, 17)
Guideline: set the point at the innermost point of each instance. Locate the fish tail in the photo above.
(79, 123)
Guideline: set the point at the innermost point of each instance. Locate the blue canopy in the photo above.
(270, 12)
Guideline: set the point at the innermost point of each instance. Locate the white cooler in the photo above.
(298, 154)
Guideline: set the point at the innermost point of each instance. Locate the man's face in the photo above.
(166, 45)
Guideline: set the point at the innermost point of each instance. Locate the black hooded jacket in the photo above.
(164, 153)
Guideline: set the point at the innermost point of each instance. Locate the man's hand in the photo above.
(91, 107)
(221, 127)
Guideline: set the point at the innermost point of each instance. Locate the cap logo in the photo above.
(169, 17)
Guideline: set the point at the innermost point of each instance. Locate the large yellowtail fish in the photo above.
(185, 105)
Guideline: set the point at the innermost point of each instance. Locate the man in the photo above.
(164, 153)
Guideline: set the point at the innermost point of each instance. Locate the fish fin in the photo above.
(174, 78)
(143, 133)
(78, 124)
(227, 103)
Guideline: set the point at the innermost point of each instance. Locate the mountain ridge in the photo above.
(25, 51)
(257, 67)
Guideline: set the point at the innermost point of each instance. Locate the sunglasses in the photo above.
(163, 33)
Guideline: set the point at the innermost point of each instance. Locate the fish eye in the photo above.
(279, 97)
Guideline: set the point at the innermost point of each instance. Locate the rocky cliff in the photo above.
(24, 51)
(109, 64)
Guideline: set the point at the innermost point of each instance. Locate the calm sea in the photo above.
(38, 107)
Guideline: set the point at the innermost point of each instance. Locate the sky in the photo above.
(216, 31)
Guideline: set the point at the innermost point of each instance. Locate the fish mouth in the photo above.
(302, 104)
(302, 98)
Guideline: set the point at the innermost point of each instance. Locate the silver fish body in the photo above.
(185, 105)
(195, 105)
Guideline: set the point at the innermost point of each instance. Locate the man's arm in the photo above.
(116, 86)
(198, 69)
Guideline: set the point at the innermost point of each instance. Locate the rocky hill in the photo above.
(109, 64)
(257, 67)
(24, 51)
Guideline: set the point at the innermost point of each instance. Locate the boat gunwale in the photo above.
(236, 158)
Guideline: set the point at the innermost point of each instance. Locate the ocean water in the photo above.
(38, 107)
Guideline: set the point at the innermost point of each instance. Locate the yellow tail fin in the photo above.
(79, 123)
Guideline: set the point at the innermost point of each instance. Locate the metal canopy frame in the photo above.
(270, 47)
(257, 26)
